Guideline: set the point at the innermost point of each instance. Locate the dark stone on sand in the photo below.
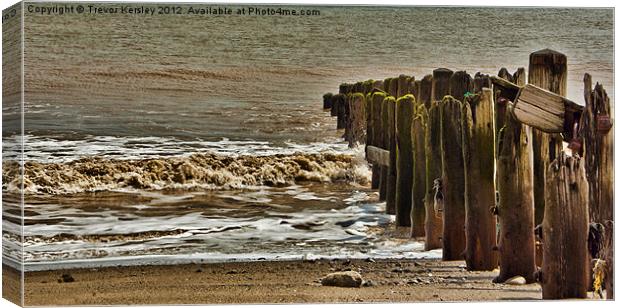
(349, 279)
(67, 278)
(232, 272)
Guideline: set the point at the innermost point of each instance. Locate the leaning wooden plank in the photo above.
(540, 109)
(378, 156)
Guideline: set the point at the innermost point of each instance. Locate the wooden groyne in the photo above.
(495, 170)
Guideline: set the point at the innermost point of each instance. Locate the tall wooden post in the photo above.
(479, 159)
(565, 230)
(441, 83)
(547, 70)
(418, 210)
(355, 130)
(433, 220)
(425, 92)
(375, 133)
(460, 84)
(390, 130)
(453, 180)
(597, 133)
(338, 110)
(516, 201)
(381, 138)
(404, 159)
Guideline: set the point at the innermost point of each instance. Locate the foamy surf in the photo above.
(221, 165)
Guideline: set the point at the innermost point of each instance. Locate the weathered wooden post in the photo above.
(327, 101)
(412, 86)
(375, 132)
(503, 73)
(418, 210)
(338, 102)
(345, 88)
(378, 85)
(453, 179)
(403, 85)
(355, 130)
(565, 230)
(392, 87)
(404, 159)
(425, 92)
(390, 130)
(433, 219)
(516, 201)
(597, 133)
(518, 77)
(547, 70)
(380, 136)
(368, 85)
(441, 83)
(479, 159)
(481, 81)
(460, 84)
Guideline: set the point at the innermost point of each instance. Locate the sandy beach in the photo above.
(268, 282)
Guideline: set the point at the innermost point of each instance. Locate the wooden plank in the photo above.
(378, 156)
(540, 109)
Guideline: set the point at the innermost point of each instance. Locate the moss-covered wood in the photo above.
(516, 201)
(390, 192)
(433, 221)
(441, 83)
(418, 190)
(565, 230)
(404, 159)
(461, 83)
(547, 70)
(479, 160)
(453, 179)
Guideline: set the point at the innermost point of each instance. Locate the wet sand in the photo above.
(269, 282)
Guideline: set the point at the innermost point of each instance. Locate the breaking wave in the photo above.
(201, 170)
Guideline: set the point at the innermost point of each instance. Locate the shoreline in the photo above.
(396, 280)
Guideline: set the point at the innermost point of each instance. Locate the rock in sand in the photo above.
(348, 279)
